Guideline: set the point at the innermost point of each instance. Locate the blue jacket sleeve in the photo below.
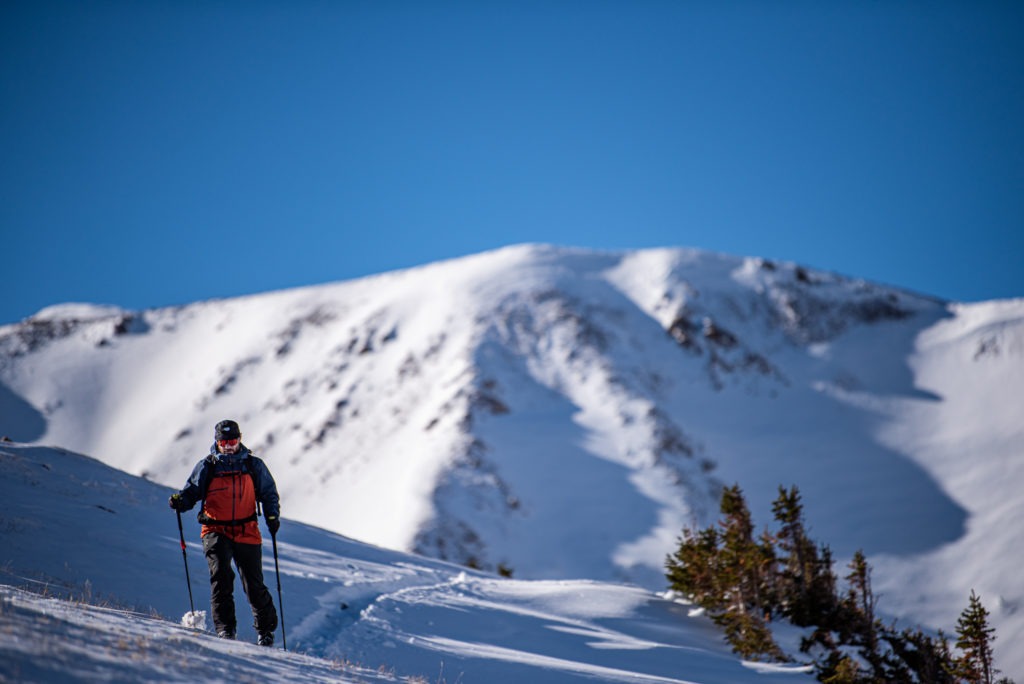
(267, 490)
(196, 486)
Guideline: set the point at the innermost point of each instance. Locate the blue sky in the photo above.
(157, 153)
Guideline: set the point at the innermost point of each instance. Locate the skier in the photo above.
(231, 482)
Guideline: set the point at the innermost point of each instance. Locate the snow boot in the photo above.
(226, 634)
(266, 639)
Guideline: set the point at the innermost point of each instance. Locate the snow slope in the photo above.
(74, 528)
(53, 640)
(562, 413)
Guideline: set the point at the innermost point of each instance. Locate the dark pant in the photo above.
(220, 550)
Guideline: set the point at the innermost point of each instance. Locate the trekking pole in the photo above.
(280, 602)
(181, 532)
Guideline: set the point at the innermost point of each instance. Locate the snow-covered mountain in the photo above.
(562, 413)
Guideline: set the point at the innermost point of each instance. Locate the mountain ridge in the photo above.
(556, 412)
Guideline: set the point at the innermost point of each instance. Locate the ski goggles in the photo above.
(228, 442)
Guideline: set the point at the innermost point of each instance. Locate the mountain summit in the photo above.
(553, 412)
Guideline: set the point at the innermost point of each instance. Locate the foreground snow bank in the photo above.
(55, 640)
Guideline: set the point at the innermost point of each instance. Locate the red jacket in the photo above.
(230, 507)
(230, 485)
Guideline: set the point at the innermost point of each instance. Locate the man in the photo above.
(231, 482)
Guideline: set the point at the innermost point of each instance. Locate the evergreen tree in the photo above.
(730, 575)
(797, 552)
(927, 657)
(974, 639)
(749, 636)
(741, 557)
(859, 624)
(694, 569)
(862, 597)
(843, 671)
(741, 581)
(807, 585)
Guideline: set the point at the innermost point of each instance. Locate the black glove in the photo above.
(273, 524)
(177, 502)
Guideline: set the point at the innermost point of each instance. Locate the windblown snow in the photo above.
(559, 415)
